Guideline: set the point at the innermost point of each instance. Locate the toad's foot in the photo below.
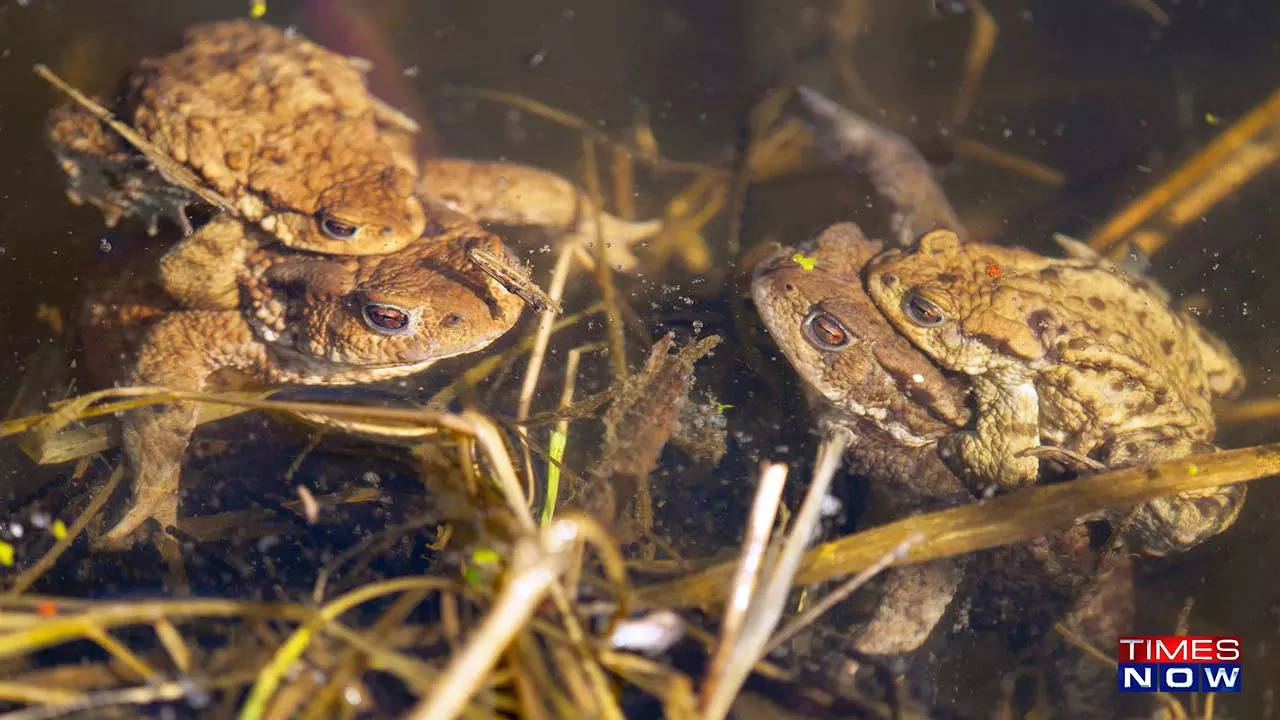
(1179, 522)
(896, 170)
(105, 172)
(155, 441)
(511, 194)
(1173, 523)
(912, 601)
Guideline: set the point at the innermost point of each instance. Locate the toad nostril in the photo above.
(789, 287)
(451, 320)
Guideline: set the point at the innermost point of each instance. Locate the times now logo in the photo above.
(1178, 663)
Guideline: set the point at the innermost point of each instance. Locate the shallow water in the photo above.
(1104, 94)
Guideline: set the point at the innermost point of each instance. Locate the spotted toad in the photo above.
(1073, 353)
(283, 128)
(307, 319)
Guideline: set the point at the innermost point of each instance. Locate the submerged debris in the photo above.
(639, 422)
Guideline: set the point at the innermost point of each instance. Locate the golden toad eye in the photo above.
(337, 229)
(386, 319)
(922, 311)
(824, 331)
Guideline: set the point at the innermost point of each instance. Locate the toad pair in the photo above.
(287, 139)
(336, 257)
(1071, 358)
(1069, 353)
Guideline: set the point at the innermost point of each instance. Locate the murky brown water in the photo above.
(1100, 91)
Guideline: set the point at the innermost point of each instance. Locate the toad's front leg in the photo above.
(181, 352)
(201, 271)
(996, 453)
(512, 194)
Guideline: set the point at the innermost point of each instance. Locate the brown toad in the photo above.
(283, 128)
(307, 319)
(1072, 353)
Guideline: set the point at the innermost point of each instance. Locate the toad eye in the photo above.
(337, 229)
(922, 311)
(386, 319)
(824, 331)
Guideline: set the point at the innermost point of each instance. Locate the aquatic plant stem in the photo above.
(288, 653)
(560, 434)
(587, 129)
(768, 604)
(510, 612)
(604, 273)
(755, 540)
(982, 40)
(1011, 518)
(1202, 167)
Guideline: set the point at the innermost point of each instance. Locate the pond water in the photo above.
(1104, 98)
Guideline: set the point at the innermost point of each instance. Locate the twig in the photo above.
(385, 535)
(25, 692)
(351, 660)
(1202, 165)
(767, 606)
(546, 321)
(1011, 518)
(289, 651)
(764, 510)
(490, 440)
(173, 644)
(560, 433)
(115, 649)
(1074, 638)
(982, 39)
(514, 281)
(604, 273)
(999, 158)
(44, 632)
(599, 684)
(762, 116)
(510, 611)
(143, 695)
(587, 129)
(486, 366)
